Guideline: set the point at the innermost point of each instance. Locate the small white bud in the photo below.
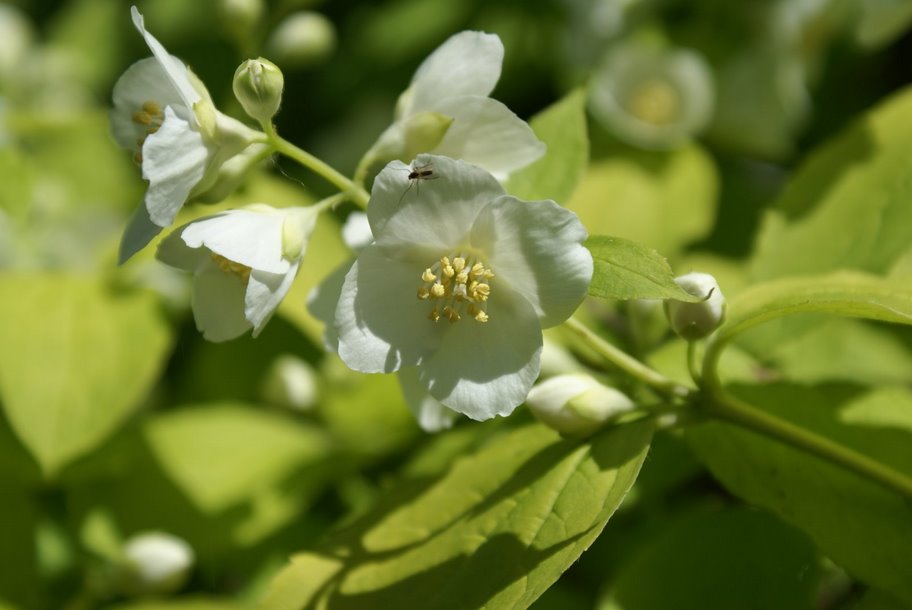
(155, 563)
(291, 382)
(305, 38)
(258, 86)
(576, 405)
(693, 321)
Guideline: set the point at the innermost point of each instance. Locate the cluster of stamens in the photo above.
(229, 266)
(150, 117)
(461, 287)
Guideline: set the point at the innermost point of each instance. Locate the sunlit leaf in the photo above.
(495, 531)
(75, 359)
(628, 270)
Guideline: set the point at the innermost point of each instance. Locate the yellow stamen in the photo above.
(461, 286)
(231, 267)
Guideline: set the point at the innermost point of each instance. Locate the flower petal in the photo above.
(175, 69)
(139, 232)
(218, 304)
(264, 293)
(536, 247)
(174, 252)
(468, 63)
(435, 211)
(483, 370)
(174, 161)
(382, 325)
(432, 416)
(144, 81)
(248, 237)
(322, 302)
(487, 133)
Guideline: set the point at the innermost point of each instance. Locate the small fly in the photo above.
(417, 173)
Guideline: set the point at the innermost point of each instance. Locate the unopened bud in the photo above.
(305, 38)
(693, 321)
(291, 382)
(576, 405)
(155, 563)
(258, 85)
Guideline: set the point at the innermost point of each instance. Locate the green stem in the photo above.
(628, 364)
(352, 191)
(723, 406)
(692, 364)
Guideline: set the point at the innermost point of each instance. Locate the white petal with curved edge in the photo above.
(382, 324)
(484, 370)
(435, 212)
(488, 134)
(430, 414)
(322, 302)
(174, 68)
(218, 304)
(467, 63)
(250, 238)
(264, 293)
(174, 252)
(174, 161)
(139, 232)
(536, 246)
(144, 81)
(356, 232)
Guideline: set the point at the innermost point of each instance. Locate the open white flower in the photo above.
(459, 284)
(244, 261)
(164, 114)
(446, 111)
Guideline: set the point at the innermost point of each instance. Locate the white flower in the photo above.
(165, 115)
(459, 284)
(243, 261)
(693, 321)
(446, 111)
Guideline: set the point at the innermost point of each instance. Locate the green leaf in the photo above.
(664, 200)
(225, 454)
(628, 270)
(863, 527)
(846, 293)
(848, 206)
(75, 359)
(187, 603)
(19, 584)
(562, 127)
(495, 531)
(733, 558)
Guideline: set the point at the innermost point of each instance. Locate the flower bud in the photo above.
(258, 85)
(693, 321)
(155, 563)
(303, 39)
(291, 382)
(576, 405)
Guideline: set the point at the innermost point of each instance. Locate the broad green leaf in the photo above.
(495, 531)
(562, 127)
(848, 206)
(847, 294)
(627, 270)
(225, 454)
(75, 358)
(733, 558)
(863, 527)
(664, 200)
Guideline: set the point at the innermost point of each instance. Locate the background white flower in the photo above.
(459, 285)
(446, 111)
(165, 115)
(244, 262)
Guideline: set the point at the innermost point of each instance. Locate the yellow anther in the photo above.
(152, 108)
(460, 284)
(462, 277)
(459, 264)
(481, 317)
(424, 293)
(438, 290)
(488, 274)
(448, 271)
(451, 314)
(481, 292)
(434, 316)
(229, 266)
(477, 270)
(428, 276)
(142, 117)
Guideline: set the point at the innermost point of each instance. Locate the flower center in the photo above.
(655, 102)
(231, 267)
(149, 116)
(458, 286)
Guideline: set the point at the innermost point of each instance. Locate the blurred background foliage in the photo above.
(119, 419)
